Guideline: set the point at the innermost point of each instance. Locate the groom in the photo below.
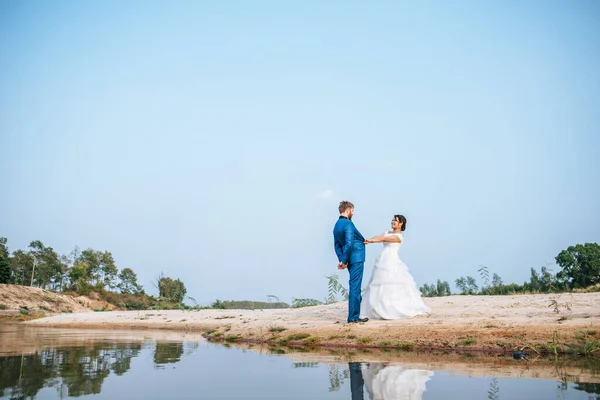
(350, 249)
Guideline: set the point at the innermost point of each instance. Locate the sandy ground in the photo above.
(470, 322)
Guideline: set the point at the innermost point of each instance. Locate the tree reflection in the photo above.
(494, 390)
(588, 387)
(81, 370)
(166, 353)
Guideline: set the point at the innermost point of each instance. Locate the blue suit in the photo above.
(350, 249)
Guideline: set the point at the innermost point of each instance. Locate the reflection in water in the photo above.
(494, 391)
(79, 371)
(387, 382)
(76, 371)
(356, 381)
(166, 353)
(57, 364)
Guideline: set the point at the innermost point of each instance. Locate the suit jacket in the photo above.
(348, 242)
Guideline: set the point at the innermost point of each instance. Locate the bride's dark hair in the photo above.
(402, 220)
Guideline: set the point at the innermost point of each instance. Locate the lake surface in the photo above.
(62, 363)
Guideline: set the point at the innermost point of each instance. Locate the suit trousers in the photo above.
(354, 297)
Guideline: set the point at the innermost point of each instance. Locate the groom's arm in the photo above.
(338, 249)
(349, 234)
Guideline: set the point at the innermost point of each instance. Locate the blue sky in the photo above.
(213, 140)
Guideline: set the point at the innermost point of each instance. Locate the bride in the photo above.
(391, 292)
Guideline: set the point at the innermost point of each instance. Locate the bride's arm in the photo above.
(383, 238)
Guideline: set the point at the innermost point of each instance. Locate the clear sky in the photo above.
(213, 140)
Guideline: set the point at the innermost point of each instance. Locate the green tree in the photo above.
(5, 270)
(171, 289)
(48, 270)
(128, 282)
(441, 288)
(496, 281)
(467, 285)
(108, 268)
(91, 259)
(580, 264)
(461, 284)
(78, 277)
(21, 264)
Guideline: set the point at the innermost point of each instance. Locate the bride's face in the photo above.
(396, 224)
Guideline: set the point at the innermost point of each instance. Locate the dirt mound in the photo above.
(17, 298)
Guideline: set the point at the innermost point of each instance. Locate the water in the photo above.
(58, 363)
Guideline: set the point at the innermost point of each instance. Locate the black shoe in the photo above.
(359, 320)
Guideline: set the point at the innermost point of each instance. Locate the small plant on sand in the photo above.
(556, 305)
(232, 338)
(363, 340)
(276, 329)
(3, 307)
(384, 343)
(297, 336)
(351, 336)
(555, 346)
(404, 345)
(312, 340)
(467, 341)
(335, 337)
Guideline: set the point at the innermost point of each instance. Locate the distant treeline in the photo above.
(580, 271)
(83, 272)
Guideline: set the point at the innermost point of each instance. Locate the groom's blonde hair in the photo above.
(344, 205)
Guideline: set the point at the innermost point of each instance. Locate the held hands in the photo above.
(367, 241)
(342, 266)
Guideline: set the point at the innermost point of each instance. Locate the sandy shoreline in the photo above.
(17, 341)
(493, 323)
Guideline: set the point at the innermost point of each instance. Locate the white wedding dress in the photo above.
(392, 292)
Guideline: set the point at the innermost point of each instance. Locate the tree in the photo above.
(461, 284)
(128, 282)
(496, 281)
(441, 288)
(5, 270)
(580, 264)
(467, 285)
(108, 268)
(21, 264)
(48, 269)
(171, 289)
(91, 259)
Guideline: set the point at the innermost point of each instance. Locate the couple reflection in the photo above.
(387, 382)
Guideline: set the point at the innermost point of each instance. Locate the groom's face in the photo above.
(351, 214)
